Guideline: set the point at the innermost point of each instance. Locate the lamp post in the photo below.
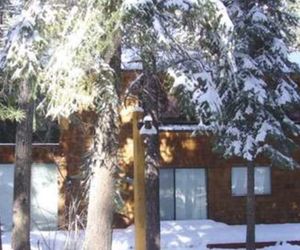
(146, 183)
(139, 183)
(151, 140)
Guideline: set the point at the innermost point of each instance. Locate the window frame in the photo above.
(256, 194)
(174, 187)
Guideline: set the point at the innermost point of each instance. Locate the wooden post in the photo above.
(139, 185)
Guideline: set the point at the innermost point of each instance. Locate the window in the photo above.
(262, 181)
(183, 194)
(44, 196)
(46, 131)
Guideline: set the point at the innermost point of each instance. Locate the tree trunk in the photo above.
(152, 99)
(102, 188)
(22, 175)
(152, 193)
(100, 210)
(250, 241)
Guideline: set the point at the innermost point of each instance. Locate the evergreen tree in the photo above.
(191, 41)
(295, 8)
(256, 118)
(150, 93)
(20, 63)
(163, 36)
(78, 77)
(7, 110)
(247, 105)
(65, 54)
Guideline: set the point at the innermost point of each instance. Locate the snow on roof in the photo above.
(177, 127)
(131, 59)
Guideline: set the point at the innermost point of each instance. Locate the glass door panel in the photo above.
(190, 192)
(6, 195)
(44, 196)
(166, 194)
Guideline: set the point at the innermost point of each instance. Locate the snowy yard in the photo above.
(179, 235)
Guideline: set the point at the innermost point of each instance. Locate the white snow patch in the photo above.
(130, 4)
(263, 131)
(131, 60)
(181, 4)
(148, 131)
(279, 46)
(295, 57)
(190, 127)
(286, 93)
(175, 235)
(256, 86)
(259, 17)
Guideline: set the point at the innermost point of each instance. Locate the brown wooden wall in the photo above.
(281, 206)
(68, 155)
(178, 149)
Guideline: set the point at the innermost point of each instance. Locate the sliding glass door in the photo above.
(183, 194)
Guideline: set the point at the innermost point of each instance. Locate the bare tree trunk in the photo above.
(152, 193)
(250, 241)
(22, 176)
(100, 210)
(102, 190)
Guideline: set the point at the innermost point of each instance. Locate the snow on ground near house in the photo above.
(178, 235)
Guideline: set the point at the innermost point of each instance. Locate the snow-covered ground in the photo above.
(177, 235)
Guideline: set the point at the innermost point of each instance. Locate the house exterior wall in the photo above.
(180, 149)
(45, 159)
(281, 206)
(67, 154)
(177, 149)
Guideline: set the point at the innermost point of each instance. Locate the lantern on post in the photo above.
(148, 128)
(149, 134)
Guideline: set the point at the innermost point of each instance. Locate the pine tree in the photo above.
(163, 36)
(191, 42)
(4, 113)
(20, 63)
(7, 109)
(295, 8)
(256, 118)
(66, 54)
(247, 104)
(78, 77)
